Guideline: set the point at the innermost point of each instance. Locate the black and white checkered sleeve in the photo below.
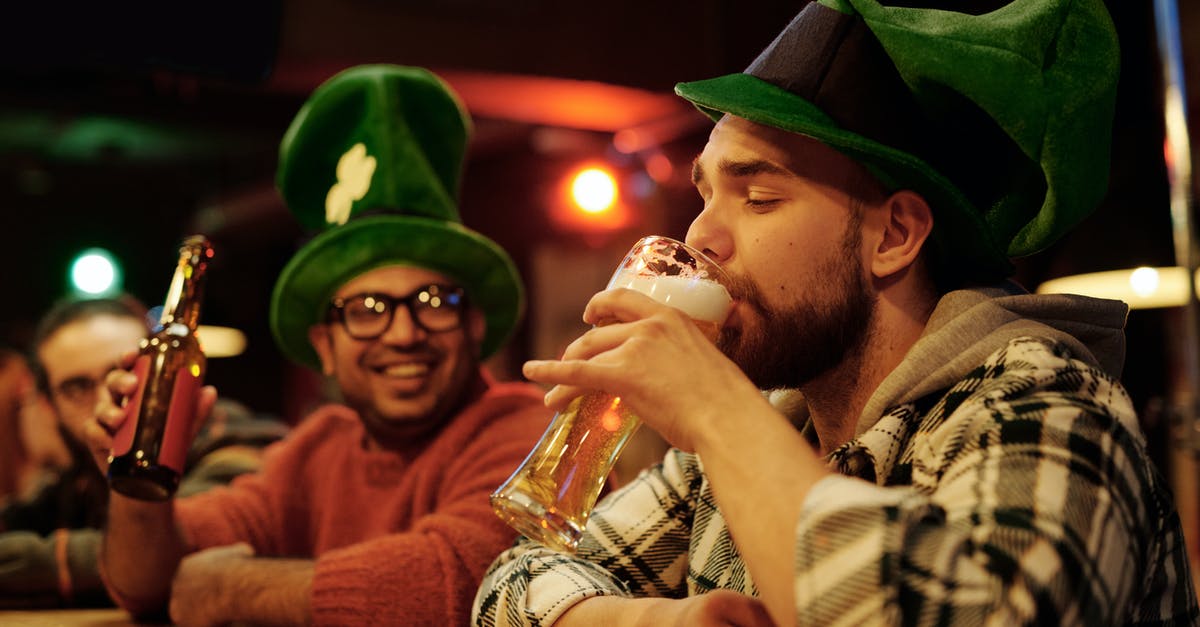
(1032, 502)
(635, 544)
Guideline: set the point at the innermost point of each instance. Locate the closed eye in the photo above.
(761, 204)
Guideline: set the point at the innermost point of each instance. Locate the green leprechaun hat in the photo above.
(373, 161)
(998, 112)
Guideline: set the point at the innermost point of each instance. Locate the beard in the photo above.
(801, 340)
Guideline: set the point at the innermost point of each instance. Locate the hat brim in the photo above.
(959, 234)
(308, 282)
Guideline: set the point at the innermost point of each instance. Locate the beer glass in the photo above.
(550, 497)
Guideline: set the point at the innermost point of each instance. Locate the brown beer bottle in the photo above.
(150, 446)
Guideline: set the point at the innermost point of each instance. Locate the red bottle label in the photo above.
(123, 438)
(177, 435)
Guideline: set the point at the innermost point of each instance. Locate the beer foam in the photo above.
(700, 299)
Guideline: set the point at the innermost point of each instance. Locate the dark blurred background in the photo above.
(129, 125)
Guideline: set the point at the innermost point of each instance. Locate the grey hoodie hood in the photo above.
(968, 325)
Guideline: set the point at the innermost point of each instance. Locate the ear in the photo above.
(318, 336)
(906, 222)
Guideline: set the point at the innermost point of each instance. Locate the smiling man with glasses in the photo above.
(406, 361)
(375, 510)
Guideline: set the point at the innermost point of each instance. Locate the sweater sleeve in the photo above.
(58, 569)
(428, 574)
(238, 512)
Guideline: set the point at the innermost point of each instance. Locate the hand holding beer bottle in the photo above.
(550, 497)
(150, 445)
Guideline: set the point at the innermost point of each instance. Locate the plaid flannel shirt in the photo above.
(1023, 494)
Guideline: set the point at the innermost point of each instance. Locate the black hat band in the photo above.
(833, 60)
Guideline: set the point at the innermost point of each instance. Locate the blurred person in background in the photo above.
(28, 450)
(49, 536)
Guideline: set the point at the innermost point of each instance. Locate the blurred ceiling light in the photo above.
(659, 167)
(594, 190)
(95, 272)
(220, 341)
(588, 199)
(1140, 288)
(566, 103)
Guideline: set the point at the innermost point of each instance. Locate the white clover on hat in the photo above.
(373, 161)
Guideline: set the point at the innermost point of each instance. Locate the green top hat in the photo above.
(373, 160)
(998, 112)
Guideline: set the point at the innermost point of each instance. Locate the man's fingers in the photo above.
(206, 399)
(118, 385)
(557, 373)
(595, 341)
(619, 305)
(109, 415)
(205, 402)
(553, 372)
(127, 359)
(99, 442)
(727, 607)
(242, 548)
(121, 383)
(561, 395)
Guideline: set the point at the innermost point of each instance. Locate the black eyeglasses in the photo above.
(434, 308)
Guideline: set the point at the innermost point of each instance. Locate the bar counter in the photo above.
(101, 617)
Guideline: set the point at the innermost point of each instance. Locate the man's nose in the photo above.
(403, 330)
(709, 235)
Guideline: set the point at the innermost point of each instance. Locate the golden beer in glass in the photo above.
(550, 497)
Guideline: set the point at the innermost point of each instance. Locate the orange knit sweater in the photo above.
(399, 537)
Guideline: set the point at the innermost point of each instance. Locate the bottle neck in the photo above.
(182, 305)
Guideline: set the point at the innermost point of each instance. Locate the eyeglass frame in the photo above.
(337, 306)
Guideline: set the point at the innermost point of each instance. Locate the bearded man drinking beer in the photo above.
(967, 455)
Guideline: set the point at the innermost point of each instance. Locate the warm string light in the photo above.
(1140, 288)
(218, 341)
